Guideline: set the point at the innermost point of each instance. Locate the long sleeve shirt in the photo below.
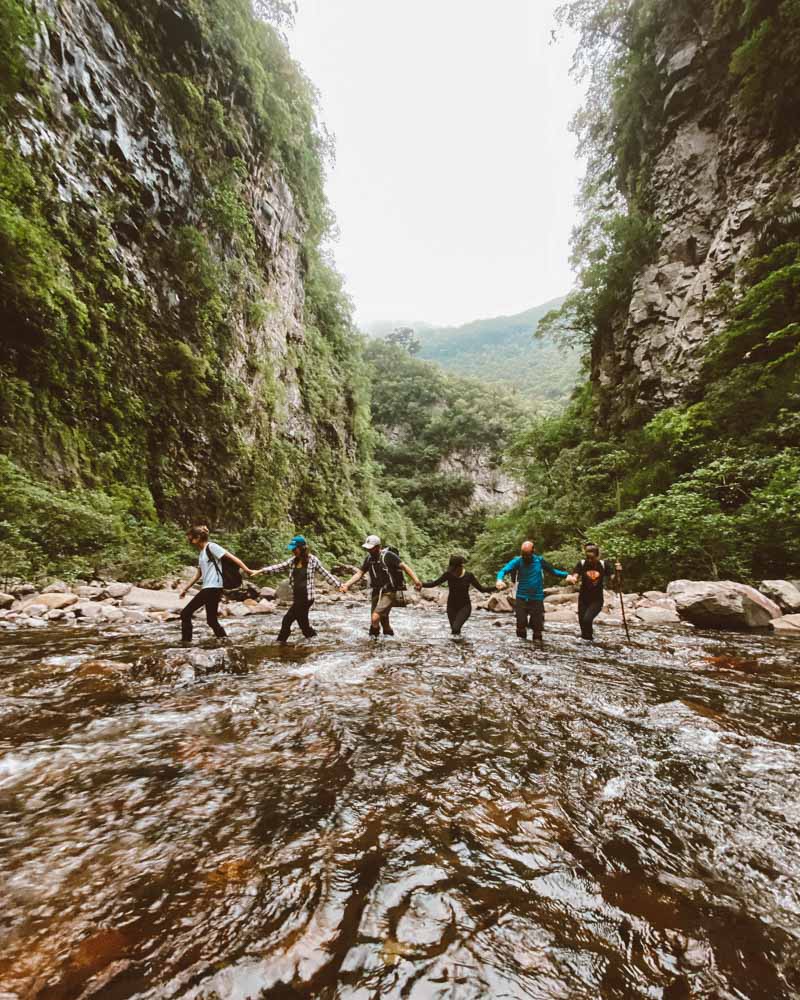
(530, 584)
(458, 587)
(313, 565)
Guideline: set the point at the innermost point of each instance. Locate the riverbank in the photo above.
(701, 604)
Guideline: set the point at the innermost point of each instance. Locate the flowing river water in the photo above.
(412, 817)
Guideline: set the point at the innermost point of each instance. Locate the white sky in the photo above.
(455, 174)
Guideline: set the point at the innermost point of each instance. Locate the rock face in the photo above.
(722, 604)
(713, 178)
(493, 488)
(136, 126)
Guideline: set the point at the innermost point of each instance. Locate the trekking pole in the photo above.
(622, 606)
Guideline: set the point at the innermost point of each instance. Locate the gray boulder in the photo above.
(186, 665)
(49, 600)
(789, 625)
(153, 600)
(6, 600)
(56, 587)
(722, 604)
(499, 602)
(657, 616)
(784, 593)
(118, 590)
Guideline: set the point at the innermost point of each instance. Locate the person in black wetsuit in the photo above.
(592, 571)
(458, 581)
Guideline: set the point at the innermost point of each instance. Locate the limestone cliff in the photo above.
(167, 321)
(716, 178)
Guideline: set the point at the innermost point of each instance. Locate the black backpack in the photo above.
(394, 574)
(229, 571)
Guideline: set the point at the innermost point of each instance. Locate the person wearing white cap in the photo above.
(385, 570)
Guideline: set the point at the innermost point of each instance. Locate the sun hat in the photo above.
(371, 542)
(295, 542)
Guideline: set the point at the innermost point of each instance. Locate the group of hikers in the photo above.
(386, 572)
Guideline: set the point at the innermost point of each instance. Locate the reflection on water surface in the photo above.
(412, 818)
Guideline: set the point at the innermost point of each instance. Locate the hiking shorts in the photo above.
(384, 602)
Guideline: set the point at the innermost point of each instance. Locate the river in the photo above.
(412, 817)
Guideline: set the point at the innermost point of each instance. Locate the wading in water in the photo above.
(302, 566)
(458, 580)
(209, 571)
(592, 573)
(386, 571)
(529, 606)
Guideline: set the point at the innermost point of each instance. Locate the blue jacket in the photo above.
(530, 583)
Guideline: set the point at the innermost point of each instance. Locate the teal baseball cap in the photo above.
(297, 540)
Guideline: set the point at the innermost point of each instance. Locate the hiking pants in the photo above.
(298, 612)
(458, 614)
(385, 599)
(588, 609)
(210, 596)
(530, 614)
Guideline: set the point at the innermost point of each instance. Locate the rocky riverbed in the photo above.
(412, 817)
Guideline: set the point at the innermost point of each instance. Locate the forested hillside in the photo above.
(503, 350)
(682, 454)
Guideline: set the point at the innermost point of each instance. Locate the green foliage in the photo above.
(708, 489)
(17, 27)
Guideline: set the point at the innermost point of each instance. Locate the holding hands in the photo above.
(501, 585)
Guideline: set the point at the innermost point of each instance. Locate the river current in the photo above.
(412, 817)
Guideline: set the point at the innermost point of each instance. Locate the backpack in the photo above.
(229, 571)
(394, 574)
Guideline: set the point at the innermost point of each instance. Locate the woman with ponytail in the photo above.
(209, 571)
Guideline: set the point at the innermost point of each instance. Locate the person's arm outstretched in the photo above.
(437, 582)
(407, 569)
(276, 567)
(509, 566)
(556, 572)
(239, 563)
(353, 579)
(475, 582)
(328, 576)
(191, 583)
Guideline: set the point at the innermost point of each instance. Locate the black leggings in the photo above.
(530, 614)
(458, 614)
(210, 596)
(588, 609)
(298, 612)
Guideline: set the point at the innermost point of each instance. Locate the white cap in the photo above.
(371, 542)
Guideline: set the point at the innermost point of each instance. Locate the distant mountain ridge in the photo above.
(501, 350)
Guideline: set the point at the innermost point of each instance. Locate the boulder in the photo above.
(6, 600)
(89, 592)
(655, 595)
(430, 593)
(26, 622)
(562, 597)
(153, 584)
(657, 616)
(23, 590)
(267, 592)
(237, 609)
(562, 614)
(783, 593)
(499, 603)
(788, 625)
(722, 604)
(118, 590)
(36, 609)
(283, 592)
(50, 601)
(153, 600)
(56, 587)
(90, 609)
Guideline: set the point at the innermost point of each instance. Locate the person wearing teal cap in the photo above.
(302, 566)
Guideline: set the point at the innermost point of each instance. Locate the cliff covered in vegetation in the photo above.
(173, 344)
(683, 451)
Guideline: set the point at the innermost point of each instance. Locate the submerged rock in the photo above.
(186, 665)
(722, 604)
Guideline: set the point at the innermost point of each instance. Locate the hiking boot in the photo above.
(522, 633)
(388, 631)
(374, 633)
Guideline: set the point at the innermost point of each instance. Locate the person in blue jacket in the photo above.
(529, 605)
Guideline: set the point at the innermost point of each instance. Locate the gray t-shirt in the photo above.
(212, 577)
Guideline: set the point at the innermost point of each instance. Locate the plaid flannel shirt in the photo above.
(313, 565)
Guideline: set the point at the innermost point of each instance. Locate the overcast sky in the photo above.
(455, 174)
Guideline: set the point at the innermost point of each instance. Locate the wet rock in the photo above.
(6, 600)
(561, 614)
(722, 604)
(785, 594)
(26, 622)
(153, 600)
(186, 665)
(58, 614)
(657, 616)
(35, 609)
(237, 609)
(48, 601)
(283, 592)
(432, 594)
(500, 603)
(789, 625)
(89, 592)
(56, 587)
(118, 590)
(268, 593)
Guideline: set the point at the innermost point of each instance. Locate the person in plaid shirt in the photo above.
(302, 566)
